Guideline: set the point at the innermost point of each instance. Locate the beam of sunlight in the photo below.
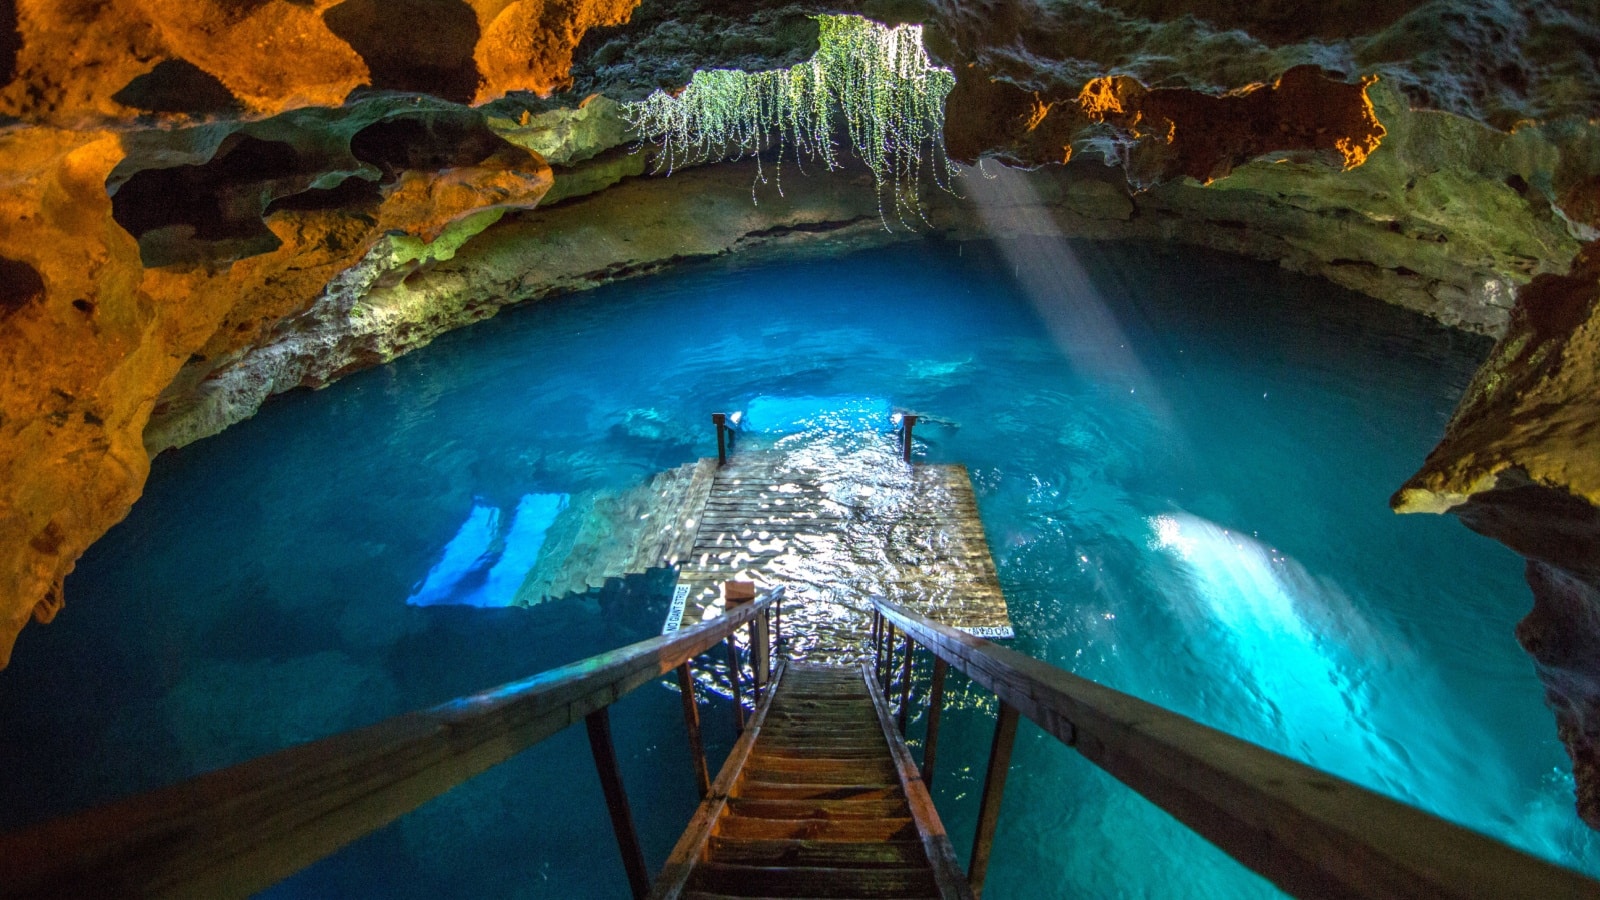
(1048, 271)
(1306, 673)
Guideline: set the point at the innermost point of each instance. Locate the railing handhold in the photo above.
(237, 831)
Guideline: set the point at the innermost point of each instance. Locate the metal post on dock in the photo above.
(908, 421)
(721, 421)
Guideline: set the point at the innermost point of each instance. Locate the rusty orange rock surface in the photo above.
(1168, 133)
(76, 56)
(527, 44)
(83, 362)
(271, 55)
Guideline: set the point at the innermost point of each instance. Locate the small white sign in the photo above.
(680, 598)
(996, 632)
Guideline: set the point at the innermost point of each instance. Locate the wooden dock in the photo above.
(836, 527)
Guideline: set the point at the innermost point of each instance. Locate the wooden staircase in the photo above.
(820, 798)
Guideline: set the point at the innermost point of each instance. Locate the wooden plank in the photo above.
(846, 830)
(817, 853)
(807, 881)
(598, 724)
(1309, 832)
(691, 846)
(994, 789)
(237, 831)
(758, 808)
(941, 855)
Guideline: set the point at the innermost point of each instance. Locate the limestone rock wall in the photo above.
(1520, 462)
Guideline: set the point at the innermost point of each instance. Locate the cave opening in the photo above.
(1182, 472)
(208, 210)
(1184, 462)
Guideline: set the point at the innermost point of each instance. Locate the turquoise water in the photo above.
(1182, 462)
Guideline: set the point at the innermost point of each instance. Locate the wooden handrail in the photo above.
(1310, 833)
(236, 831)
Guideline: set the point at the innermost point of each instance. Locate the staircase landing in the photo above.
(837, 528)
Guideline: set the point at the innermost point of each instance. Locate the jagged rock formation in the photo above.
(206, 202)
(1520, 462)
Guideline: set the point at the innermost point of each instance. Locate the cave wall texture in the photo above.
(207, 202)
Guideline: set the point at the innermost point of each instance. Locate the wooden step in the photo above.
(771, 790)
(834, 854)
(818, 809)
(848, 830)
(813, 881)
(779, 769)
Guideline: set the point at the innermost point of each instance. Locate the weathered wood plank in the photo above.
(691, 846)
(941, 855)
(767, 518)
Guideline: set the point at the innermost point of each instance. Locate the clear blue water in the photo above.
(1182, 462)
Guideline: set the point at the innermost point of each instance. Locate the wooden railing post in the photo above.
(605, 762)
(733, 684)
(691, 723)
(994, 787)
(907, 422)
(888, 658)
(760, 654)
(905, 689)
(935, 709)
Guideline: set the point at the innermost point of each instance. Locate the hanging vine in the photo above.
(877, 79)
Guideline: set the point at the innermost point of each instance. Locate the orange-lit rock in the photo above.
(93, 338)
(527, 44)
(75, 358)
(77, 59)
(272, 55)
(1168, 133)
(1304, 110)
